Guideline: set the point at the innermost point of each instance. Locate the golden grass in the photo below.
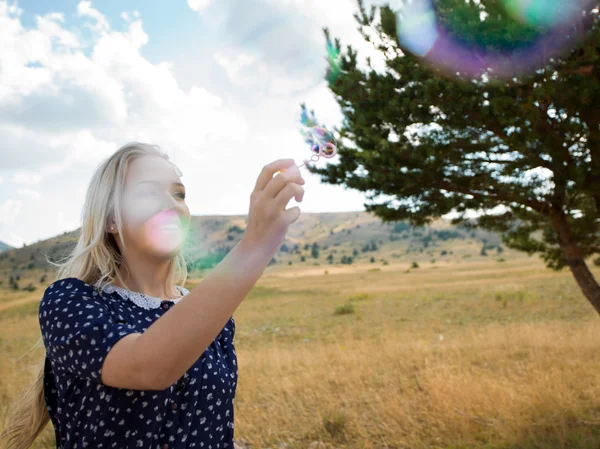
(469, 355)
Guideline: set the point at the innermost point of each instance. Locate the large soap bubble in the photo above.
(540, 30)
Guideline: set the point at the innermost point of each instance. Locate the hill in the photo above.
(315, 239)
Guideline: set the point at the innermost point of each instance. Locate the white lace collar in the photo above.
(140, 299)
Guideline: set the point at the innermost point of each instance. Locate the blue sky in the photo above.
(217, 84)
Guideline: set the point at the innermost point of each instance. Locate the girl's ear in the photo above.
(111, 226)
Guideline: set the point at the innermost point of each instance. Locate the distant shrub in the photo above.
(335, 424)
(414, 265)
(346, 309)
(235, 228)
(30, 288)
(400, 227)
(359, 296)
(314, 252)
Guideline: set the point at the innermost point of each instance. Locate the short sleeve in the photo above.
(232, 327)
(78, 328)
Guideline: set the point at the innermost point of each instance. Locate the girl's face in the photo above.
(155, 216)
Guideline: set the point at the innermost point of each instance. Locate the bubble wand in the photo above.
(322, 143)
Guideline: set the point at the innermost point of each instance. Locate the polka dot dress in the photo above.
(79, 326)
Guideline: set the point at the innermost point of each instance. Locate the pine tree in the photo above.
(315, 250)
(530, 144)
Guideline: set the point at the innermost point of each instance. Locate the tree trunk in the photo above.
(584, 277)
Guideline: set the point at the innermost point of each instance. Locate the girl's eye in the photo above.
(181, 195)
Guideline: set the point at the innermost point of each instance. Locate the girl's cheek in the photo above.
(138, 211)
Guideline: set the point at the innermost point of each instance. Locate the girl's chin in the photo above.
(162, 243)
(166, 247)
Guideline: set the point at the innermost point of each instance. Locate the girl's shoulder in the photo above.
(71, 287)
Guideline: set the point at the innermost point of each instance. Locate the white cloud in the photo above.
(79, 108)
(14, 240)
(27, 178)
(233, 64)
(9, 211)
(84, 9)
(63, 110)
(30, 193)
(198, 5)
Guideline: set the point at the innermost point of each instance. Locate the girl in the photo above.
(133, 359)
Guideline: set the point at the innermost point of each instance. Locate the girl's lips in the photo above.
(165, 218)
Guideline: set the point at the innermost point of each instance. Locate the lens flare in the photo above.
(165, 231)
(417, 27)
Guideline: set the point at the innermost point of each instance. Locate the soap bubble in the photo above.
(543, 13)
(539, 30)
(334, 60)
(321, 141)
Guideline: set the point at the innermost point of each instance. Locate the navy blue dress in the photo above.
(79, 326)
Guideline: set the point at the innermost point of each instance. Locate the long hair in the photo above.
(95, 258)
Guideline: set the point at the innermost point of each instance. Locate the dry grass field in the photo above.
(476, 354)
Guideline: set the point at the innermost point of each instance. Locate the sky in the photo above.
(217, 84)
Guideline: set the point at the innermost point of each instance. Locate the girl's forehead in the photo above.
(150, 168)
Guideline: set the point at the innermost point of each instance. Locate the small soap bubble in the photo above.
(321, 141)
(334, 59)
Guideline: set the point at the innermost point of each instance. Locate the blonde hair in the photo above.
(96, 257)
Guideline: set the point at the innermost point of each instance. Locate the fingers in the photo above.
(291, 215)
(269, 170)
(290, 190)
(291, 175)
